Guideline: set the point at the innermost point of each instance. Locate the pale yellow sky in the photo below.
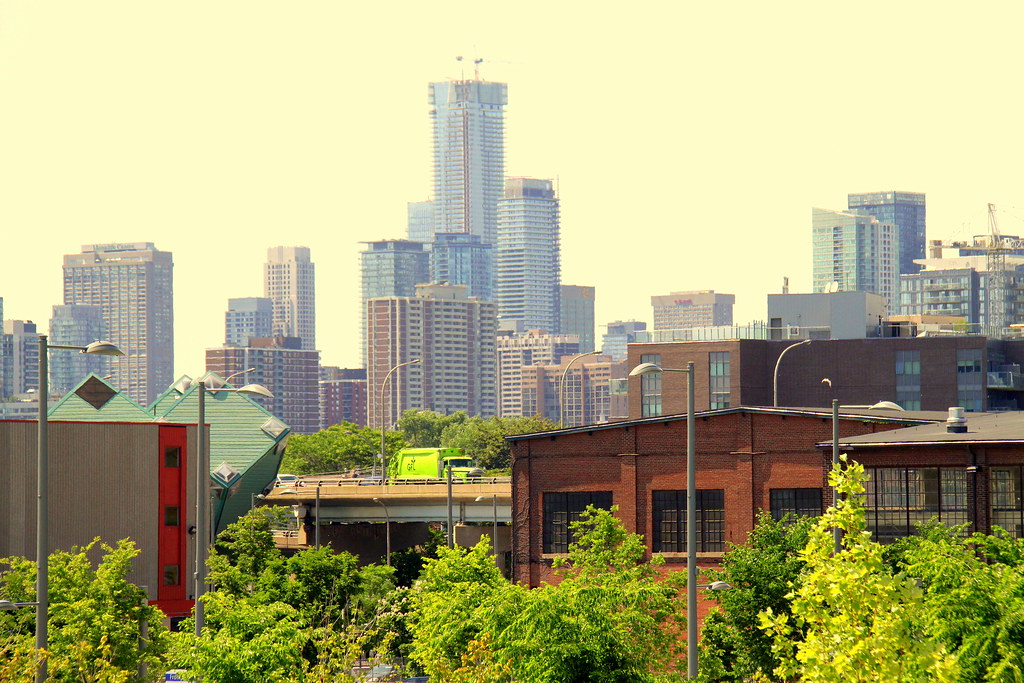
(690, 140)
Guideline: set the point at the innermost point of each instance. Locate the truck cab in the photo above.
(430, 463)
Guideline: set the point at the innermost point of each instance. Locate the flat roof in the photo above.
(992, 428)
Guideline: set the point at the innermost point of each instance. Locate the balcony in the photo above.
(1006, 380)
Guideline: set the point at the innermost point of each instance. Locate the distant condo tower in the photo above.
(469, 161)
(289, 281)
(855, 252)
(133, 285)
(905, 210)
(528, 259)
(390, 268)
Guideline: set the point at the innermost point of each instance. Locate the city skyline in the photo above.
(234, 147)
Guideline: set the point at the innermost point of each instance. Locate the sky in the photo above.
(689, 140)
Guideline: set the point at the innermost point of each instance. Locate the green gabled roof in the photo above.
(119, 408)
(236, 421)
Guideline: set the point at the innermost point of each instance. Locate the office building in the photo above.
(289, 281)
(905, 210)
(342, 396)
(681, 310)
(290, 372)
(133, 284)
(516, 351)
(390, 268)
(463, 259)
(528, 258)
(420, 216)
(453, 337)
(73, 325)
(572, 395)
(618, 336)
(855, 252)
(576, 306)
(247, 318)
(19, 355)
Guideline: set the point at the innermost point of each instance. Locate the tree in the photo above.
(484, 438)
(853, 620)
(338, 448)
(94, 621)
(762, 573)
(423, 428)
(612, 618)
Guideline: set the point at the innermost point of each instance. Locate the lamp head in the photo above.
(255, 390)
(103, 348)
(645, 369)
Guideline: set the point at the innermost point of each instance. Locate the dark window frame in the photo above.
(668, 517)
(561, 509)
(798, 502)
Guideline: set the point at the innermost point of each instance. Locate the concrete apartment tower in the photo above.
(682, 310)
(390, 268)
(855, 252)
(248, 318)
(19, 357)
(133, 284)
(576, 303)
(469, 159)
(519, 350)
(905, 210)
(452, 335)
(528, 268)
(289, 282)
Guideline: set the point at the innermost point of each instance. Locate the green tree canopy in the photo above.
(423, 428)
(484, 438)
(338, 448)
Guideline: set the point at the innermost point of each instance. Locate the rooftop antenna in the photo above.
(476, 68)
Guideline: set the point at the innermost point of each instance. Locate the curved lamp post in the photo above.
(383, 421)
(561, 385)
(691, 510)
(494, 510)
(204, 532)
(775, 375)
(100, 348)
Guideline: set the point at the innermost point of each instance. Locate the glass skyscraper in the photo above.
(75, 326)
(528, 260)
(390, 268)
(469, 164)
(857, 252)
(905, 210)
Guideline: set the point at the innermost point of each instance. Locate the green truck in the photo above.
(430, 463)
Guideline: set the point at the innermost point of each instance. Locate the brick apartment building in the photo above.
(748, 459)
(919, 373)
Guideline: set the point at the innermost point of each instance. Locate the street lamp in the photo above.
(561, 386)
(775, 376)
(100, 348)
(691, 510)
(387, 528)
(494, 510)
(383, 421)
(204, 532)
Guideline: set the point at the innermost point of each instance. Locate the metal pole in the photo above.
(836, 533)
(383, 421)
(317, 516)
(691, 528)
(451, 531)
(143, 635)
(494, 509)
(42, 515)
(775, 376)
(202, 504)
(561, 386)
(387, 533)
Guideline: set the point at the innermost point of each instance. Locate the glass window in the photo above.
(172, 456)
(796, 502)
(562, 509)
(669, 510)
(650, 388)
(897, 499)
(1005, 486)
(171, 515)
(172, 575)
(718, 379)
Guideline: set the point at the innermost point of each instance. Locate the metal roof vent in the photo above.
(956, 423)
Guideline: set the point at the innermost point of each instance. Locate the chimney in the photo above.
(956, 423)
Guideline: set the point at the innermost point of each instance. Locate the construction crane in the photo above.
(998, 277)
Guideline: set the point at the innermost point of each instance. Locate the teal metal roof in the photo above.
(119, 408)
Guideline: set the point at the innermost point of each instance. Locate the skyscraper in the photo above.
(73, 325)
(462, 259)
(528, 259)
(390, 268)
(517, 351)
(133, 285)
(420, 217)
(855, 251)
(577, 314)
(469, 173)
(248, 318)
(289, 281)
(451, 334)
(19, 357)
(905, 210)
